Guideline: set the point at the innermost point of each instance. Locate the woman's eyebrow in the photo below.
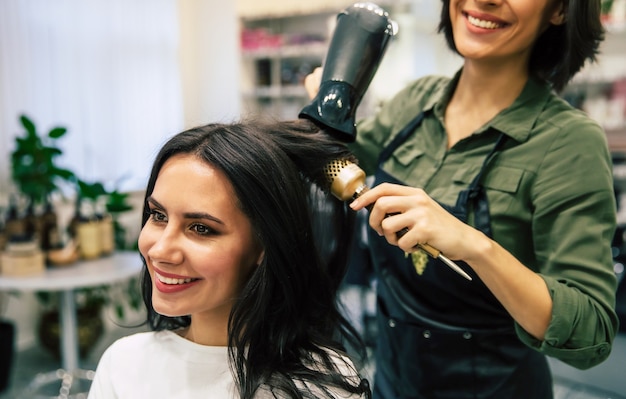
(151, 200)
(188, 215)
(201, 215)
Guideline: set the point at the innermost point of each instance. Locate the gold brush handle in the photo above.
(435, 253)
(447, 261)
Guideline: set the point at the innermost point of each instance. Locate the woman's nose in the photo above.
(166, 247)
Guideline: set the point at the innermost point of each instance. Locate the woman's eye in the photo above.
(157, 216)
(202, 229)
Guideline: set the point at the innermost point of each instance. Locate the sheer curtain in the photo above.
(108, 70)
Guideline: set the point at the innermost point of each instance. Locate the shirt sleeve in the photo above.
(573, 226)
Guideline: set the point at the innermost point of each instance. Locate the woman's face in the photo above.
(198, 245)
(501, 30)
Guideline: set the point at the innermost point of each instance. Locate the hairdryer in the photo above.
(357, 46)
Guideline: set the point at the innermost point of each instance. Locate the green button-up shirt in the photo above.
(550, 193)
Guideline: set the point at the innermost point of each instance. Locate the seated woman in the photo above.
(240, 302)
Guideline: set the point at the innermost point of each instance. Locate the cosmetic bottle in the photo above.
(88, 231)
(105, 221)
(13, 223)
(50, 237)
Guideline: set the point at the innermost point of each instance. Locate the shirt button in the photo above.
(467, 335)
(392, 323)
(426, 334)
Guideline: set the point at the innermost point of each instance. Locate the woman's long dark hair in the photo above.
(561, 51)
(286, 317)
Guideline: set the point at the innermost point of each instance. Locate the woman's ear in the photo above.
(558, 16)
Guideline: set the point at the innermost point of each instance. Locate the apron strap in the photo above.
(475, 194)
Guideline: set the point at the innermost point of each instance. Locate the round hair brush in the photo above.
(347, 182)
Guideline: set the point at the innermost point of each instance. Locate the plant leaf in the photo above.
(28, 125)
(57, 132)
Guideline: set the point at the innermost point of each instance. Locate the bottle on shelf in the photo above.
(3, 235)
(32, 223)
(50, 236)
(105, 221)
(88, 231)
(72, 226)
(13, 223)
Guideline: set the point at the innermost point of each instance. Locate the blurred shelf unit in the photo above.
(600, 88)
(277, 53)
(255, 9)
(281, 43)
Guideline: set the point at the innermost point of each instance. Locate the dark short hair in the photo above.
(561, 51)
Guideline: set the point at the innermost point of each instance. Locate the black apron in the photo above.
(441, 336)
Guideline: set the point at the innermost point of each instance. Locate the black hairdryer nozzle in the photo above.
(359, 41)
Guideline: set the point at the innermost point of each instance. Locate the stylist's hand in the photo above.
(397, 207)
(312, 82)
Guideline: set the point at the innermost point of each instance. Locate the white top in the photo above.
(164, 365)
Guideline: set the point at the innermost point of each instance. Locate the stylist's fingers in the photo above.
(312, 82)
(372, 195)
(396, 207)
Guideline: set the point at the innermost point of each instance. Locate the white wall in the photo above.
(209, 56)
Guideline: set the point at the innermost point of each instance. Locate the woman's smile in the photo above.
(484, 22)
(171, 283)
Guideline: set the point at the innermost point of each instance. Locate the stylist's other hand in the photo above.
(312, 82)
(397, 207)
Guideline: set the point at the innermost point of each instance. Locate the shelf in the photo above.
(313, 50)
(276, 92)
(616, 138)
(277, 54)
(255, 9)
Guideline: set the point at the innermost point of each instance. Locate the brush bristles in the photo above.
(345, 177)
(333, 168)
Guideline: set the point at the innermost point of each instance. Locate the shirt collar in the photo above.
(515, 121)
(519, 119)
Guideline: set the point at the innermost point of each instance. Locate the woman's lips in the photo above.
(170, 283)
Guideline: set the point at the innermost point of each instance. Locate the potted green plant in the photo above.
(36, 175)
(33, 162)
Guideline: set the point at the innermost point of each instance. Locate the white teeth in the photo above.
(172, 281)
(482, 23)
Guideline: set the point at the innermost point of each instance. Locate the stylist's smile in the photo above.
(484, 23)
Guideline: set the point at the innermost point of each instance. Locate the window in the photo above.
(107, 70)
